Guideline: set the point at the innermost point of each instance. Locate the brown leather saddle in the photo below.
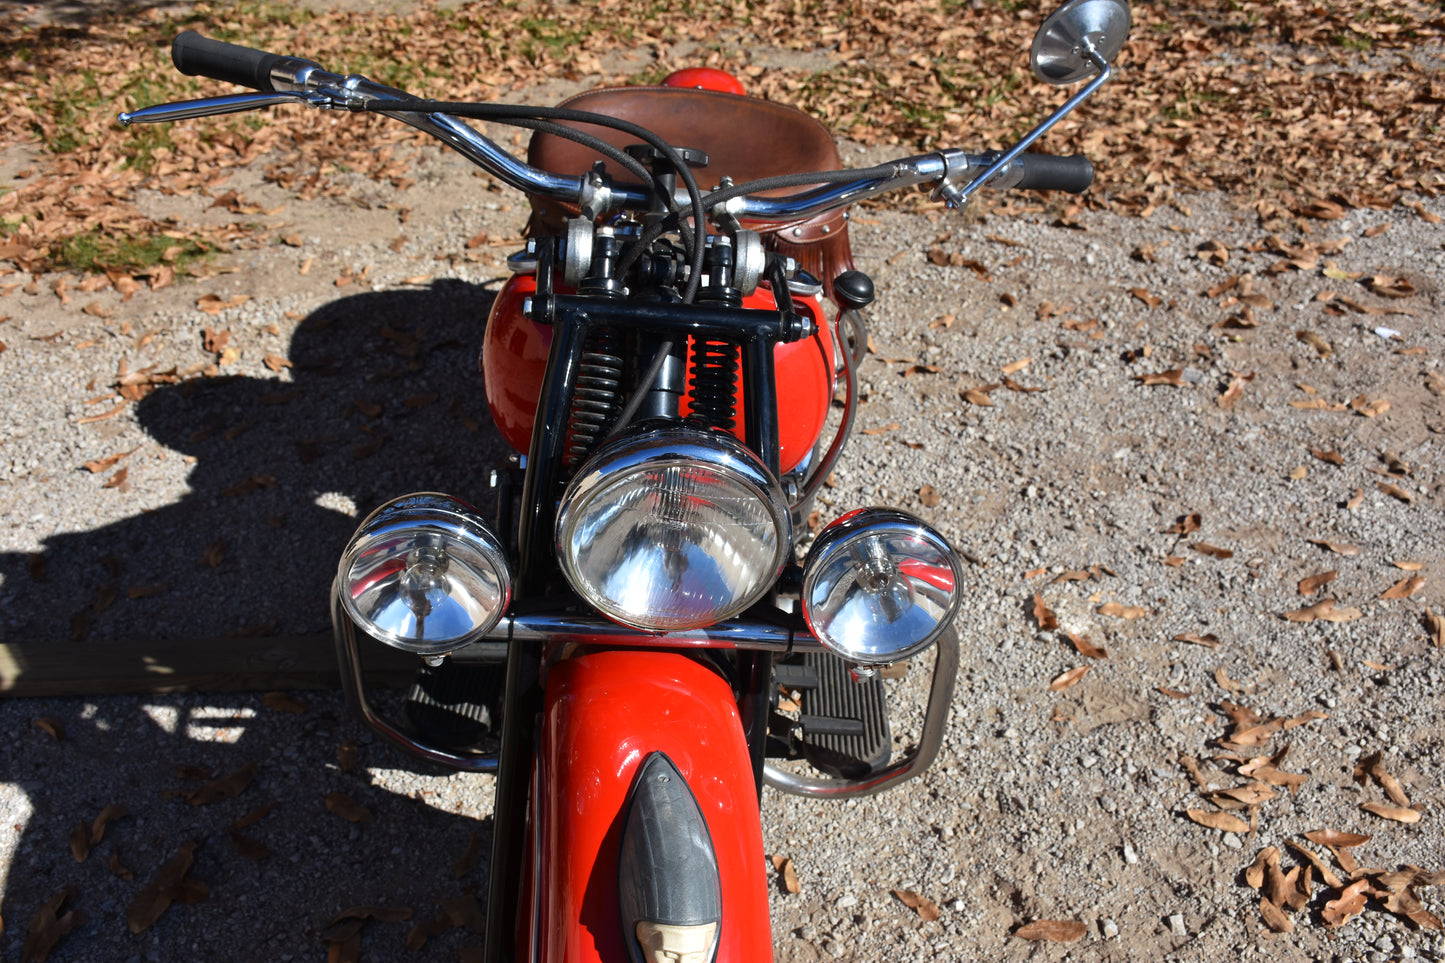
(745, 138)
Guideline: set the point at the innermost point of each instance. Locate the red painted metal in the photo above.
(604, 713)
(514, 360)
(705, 78)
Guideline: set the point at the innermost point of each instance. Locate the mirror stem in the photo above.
(958, 198)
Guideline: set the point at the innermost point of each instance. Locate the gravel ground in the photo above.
(1062, 805)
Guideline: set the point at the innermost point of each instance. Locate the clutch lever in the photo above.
(232, 104)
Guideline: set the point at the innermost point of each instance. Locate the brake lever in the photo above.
(212, 106)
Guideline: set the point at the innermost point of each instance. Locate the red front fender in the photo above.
(604, 713)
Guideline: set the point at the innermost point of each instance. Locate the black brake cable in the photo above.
(622, 158)
(506, 113)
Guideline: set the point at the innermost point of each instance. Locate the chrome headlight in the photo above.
(425, 573)
(879, 585)
(672, 527)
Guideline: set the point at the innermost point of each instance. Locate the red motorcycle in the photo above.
(612, 640)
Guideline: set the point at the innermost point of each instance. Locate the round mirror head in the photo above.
(1058, 51)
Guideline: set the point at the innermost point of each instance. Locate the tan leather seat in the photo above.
(745, 138)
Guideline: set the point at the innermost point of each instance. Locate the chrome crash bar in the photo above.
(753, 634)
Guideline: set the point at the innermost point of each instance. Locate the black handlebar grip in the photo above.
(195, 55)
(1049, 172)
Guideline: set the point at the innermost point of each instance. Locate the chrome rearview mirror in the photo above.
(1062, 47)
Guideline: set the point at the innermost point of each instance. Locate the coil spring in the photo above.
(597, 397)
(714, 383)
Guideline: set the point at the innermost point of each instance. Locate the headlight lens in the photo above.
(671, 527)
(425, 573)
(879, 585)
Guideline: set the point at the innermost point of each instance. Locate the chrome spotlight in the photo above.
(426, 574)
(879, 586)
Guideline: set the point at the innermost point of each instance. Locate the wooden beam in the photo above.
(187, 665)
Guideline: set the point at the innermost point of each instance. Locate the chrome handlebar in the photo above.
(303, 82)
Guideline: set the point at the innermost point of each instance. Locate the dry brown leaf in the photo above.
(248, 847)
(1339, 548)
(1435, 625)
(1250, 795)
(1152, 300)
(48, 925)
(1085, 647)
(1053, 931)
(1187, 524)
(227, 787)
(1368, 408)
(348, 809)
(1017, 366)
(1325, 611)
(1408, 566)
(790, 877)
(253, 817)
(80, 842)
(927, 909)
(1218, 820)
(467, 860)
(215, 553)
(1350, 902)
(281, 702)
(1321, 346)
(892, 426)
(1045, 618)
(929, 496)
(346, 756)
(107, 815)
(1391, 287)
(50, 727)
(1327, 876)
(1068, 679)
(102, 464)
(1314, 583)
(1228, 684)
(1174, 693)
(1395, 491)
(1173, 377)
(1373, 765)
(1274, 917)
(116, 867)
(1278, 777)
(1404, 588)
(1210, 641)
(1254, 875)
(1129, 612)
(1213, 551)
(169, 885)
(979, 396)
(1333, 838)
(1333, 457)
(1399, 814)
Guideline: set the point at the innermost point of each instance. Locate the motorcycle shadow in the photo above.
(291, 814)
(382, 397)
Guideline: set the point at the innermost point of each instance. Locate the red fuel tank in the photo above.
(514, 360)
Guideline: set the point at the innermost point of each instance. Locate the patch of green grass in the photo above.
(549, 35)
(1354, 41)
(264, 12)
(92, 251)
